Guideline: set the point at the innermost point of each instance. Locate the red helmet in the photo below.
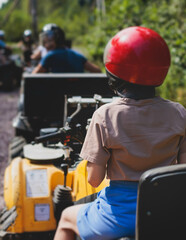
(138, 55)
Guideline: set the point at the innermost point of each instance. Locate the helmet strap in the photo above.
(115, 84)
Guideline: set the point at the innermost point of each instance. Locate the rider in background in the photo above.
(2, 48)
(26, 44)
(6, 50)
(134, 133)
(41, 51)
(60, 58)
(2, 42)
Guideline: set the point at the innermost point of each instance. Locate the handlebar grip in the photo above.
(51, 136)
(59, 135)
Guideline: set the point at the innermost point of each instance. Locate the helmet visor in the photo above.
(46, 37)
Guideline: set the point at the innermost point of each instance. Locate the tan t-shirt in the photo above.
(132, 136)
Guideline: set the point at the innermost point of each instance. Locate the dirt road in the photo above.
(8, 110)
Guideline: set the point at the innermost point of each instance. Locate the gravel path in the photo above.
(8, 110)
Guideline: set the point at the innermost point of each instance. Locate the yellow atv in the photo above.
(39, 186)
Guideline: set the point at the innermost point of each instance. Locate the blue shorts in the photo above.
(112, 215)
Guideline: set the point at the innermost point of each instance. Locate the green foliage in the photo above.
(15, 21)
(18, 22)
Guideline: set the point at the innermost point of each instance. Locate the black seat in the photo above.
(161, 206)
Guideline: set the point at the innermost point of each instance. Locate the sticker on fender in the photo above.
(36, 183)
(42, 212)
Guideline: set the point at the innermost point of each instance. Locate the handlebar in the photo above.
(60, 135)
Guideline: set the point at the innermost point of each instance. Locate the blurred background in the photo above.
(89, 24)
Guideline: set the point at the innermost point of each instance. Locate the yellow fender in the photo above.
(29, 187)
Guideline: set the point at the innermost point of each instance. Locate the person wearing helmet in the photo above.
(60, 58)
(5, 51)
(52, 26)
(2, 43)
(137, 132)
(41, 50)
(26, 45)
(2, 48)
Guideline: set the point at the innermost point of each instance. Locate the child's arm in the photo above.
(96, 173)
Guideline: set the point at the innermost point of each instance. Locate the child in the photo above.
(135, 133)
